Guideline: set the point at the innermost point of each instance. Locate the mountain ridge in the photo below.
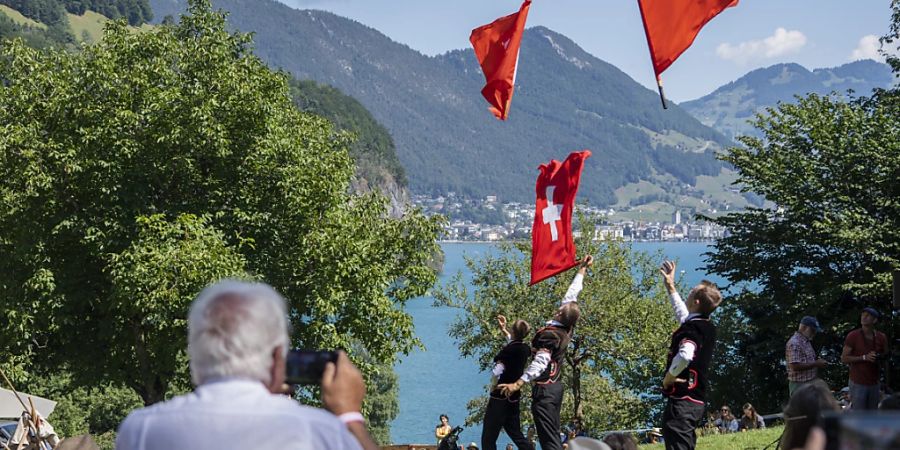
(729, 106)
(566, 100)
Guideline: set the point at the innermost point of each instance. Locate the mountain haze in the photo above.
(565, 100)
(728, 108)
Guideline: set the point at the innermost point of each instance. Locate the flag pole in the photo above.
(662, 95)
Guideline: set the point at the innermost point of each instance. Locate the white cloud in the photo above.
(782, 42)
(867, 49)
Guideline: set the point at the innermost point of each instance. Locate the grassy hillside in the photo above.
(88, 27)
(18, 18)
(736, 441)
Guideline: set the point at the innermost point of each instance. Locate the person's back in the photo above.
(232, 414)
(237, 344)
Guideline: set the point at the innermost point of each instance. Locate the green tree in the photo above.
(619, 347)
(136, 171)
(831, 166)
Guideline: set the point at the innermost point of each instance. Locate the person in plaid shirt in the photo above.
(802, 363)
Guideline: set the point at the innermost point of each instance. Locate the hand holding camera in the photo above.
(343, 388)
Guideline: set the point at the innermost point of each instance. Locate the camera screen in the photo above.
(870, 430)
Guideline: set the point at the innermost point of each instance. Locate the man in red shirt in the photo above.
(863, 349)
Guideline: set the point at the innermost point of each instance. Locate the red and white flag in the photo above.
(552, 245)
(497, 49)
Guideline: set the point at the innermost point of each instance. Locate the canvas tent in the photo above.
(10, 408)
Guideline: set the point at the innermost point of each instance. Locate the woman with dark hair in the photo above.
(751, 420)
(442, 429)
(803, 411)
(503, 412)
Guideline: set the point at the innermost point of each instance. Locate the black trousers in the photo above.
(680, 419)
(546, 402)
(502, 413)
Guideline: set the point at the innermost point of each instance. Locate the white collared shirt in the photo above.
(233, 414)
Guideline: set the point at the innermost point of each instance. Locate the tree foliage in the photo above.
(138, 170)
(831, 166)
(618, 351)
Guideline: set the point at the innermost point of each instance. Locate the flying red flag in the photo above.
(497, 48)
(552, 246)
(672, 25)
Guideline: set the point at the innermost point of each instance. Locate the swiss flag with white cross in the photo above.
(552, 245)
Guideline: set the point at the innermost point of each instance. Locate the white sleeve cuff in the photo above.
(498, 369)
(538, 364)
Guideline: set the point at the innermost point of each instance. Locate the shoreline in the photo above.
(456, 241)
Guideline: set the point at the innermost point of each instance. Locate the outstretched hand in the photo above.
(509, 388)
(587, 261)
(668, 272)
(501, 320)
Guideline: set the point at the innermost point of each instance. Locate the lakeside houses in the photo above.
(488, 220)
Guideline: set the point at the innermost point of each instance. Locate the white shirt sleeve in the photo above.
(574, 289)
(681, 311)
(498, 369)
(684, 357)
(538, 364)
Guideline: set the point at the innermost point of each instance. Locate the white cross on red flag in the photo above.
(552, 245)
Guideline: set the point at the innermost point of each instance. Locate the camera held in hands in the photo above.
(307, 366)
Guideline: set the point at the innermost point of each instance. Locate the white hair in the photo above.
(233, 328)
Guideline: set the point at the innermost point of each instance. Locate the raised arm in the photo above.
(578, 283)
(668, 272)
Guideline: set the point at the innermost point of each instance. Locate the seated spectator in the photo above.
(751, 420)
(726, 423)
(620, 441)
(844, 398)
(804, 410)
(708, 426)
(891, 402)
(237, 344)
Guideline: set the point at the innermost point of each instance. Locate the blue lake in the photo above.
(438, 380)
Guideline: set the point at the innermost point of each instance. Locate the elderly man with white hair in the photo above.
(237, 344)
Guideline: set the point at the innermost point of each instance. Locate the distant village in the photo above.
(488, 219)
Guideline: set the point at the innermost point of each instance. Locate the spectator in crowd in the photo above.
(802, 362)
(237, 345)
(443, 428)
(709, 424)
(620, 441)
(804, 410)
(531, 435)
(751, 420)
(472, 446)
(510, 447)
(727, 423)
(890, 403)
(863, 348)
(844, 398)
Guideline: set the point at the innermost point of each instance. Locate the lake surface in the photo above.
(438, 380)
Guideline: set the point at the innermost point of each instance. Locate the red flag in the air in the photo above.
(552, 246)
(672, 25)
(497, 48)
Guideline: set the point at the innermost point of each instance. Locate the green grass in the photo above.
(748, 440)
(18, 18)
(90, 23)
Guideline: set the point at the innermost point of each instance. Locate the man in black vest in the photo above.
(502, 411)
(545, 371)
(691, 350)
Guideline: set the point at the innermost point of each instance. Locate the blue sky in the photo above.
(756, 33)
